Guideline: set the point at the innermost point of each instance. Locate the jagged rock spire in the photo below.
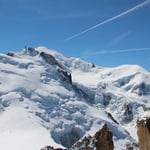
(143, 131)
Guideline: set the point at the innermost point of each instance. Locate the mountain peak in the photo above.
(63, 99)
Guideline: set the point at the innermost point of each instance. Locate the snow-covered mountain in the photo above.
(49, 99)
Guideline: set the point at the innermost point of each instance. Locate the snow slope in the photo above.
(49, 99)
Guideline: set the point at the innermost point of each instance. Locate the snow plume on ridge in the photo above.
(110, 19)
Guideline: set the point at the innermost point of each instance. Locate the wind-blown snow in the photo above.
(40, 105)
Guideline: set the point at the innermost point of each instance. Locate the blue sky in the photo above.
(73, 27)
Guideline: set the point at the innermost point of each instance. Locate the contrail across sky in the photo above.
(111, 19)
(116, 51)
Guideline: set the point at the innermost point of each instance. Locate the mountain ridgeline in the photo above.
(49, 99)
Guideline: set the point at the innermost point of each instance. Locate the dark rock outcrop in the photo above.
(143, 131)
(80, 91)
(128, 114)
(49, 59)
(65, 75)
(111, 117)
(10, 54)
(31, 51)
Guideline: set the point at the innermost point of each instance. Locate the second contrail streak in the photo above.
(110, 19)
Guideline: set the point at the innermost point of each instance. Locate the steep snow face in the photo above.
(49, 99)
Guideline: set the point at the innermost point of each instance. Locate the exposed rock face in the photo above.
(49, 59)
(10, 54)
(143, 131)
(128, 114)
(31, 51)
(52, 61)
(102, 140)
(65, 75)
(112, 118)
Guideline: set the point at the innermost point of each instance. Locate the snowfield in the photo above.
(49, 99)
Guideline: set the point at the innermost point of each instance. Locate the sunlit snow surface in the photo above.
(38, 107)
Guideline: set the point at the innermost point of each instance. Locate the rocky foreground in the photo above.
(103, 139)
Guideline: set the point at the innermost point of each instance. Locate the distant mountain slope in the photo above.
(49, 99)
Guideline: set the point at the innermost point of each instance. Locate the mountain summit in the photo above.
(49, 99)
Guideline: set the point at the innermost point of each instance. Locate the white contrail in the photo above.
(116, 51)
(119, 38)
(111, 19)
